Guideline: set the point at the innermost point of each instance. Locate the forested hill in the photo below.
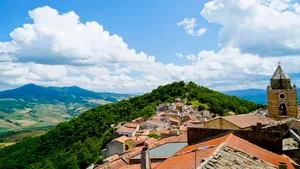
(78, 142)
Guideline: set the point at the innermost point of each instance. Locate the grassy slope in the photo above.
(36, 106)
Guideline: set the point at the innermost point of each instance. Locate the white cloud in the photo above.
(59, 50)
(179, 55)
(201, 31)
(297, 8)
(62, 38)
(191, 57)
(189, 25)
(265, 27)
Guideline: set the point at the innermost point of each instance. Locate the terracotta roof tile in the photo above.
(124, 129)
(121, 139)
(192, 147)
(136, 139)
(228, 157)
(116, 164)
(131, 125)
(185, 158)
(138, 166)
(248, 120)
(260, 153)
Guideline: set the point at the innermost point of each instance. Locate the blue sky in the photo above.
(224, 45)
(148, 26)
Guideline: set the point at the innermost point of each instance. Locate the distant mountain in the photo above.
(35, 106)
(61, 94)
(256, 95)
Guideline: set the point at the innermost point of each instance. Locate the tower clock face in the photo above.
(282, 96)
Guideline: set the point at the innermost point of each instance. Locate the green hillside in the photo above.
(78, 142)
(33, 106)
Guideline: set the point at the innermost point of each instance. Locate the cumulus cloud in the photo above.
(264, 27)
(189, 25)
(63, 39)
(57, 49)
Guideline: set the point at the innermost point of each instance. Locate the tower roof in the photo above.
(279, 73)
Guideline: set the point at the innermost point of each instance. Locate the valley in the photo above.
(32, 106)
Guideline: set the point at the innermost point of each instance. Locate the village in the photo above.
(180, 135)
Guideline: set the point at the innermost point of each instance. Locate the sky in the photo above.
(135, 46)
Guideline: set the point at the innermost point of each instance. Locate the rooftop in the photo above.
(121, 139)
(165, 150)
(124, 129)
(247, 120)
(131, 125)
(226, 151)
(123, 161)
(279, 73)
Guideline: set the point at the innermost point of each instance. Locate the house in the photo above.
(139, 120)
(186, 117)
(238, 122)
(128, 129)
(119, 145)
(162, 107)
(223, 151)
(179, 106)
(229, 151)
(205, 114)
(132, 159)
(174, 119)
(153, 124)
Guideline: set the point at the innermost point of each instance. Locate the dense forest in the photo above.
(78, 142)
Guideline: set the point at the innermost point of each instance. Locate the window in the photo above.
(282, 109)
(282, 96)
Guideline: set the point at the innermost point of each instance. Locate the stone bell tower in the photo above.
(282, 96)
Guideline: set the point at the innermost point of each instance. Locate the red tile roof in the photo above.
(263, 154)
(124, 129)
(136, 139)
(248, 120)
(185, 158)
(121, 139)
(245, 120)
(131, 125)
(138, 166)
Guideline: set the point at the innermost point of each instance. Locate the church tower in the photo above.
(282, 96)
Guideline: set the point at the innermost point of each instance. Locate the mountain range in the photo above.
(258, 96)
(35, 106)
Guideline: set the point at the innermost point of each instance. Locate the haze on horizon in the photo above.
(135, 47)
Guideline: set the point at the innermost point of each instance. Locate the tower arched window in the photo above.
(282, 109)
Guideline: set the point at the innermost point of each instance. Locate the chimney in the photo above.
(282, 165)
(258, 127)
(145, 158)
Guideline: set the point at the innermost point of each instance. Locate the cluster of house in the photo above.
(180, 137)
(187, 138)
(239, 141)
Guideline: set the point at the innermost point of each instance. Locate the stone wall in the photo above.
(220, 123)
(269, 140)
(290, 101)
(114, 147)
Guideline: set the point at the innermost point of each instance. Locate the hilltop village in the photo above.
(181, 136)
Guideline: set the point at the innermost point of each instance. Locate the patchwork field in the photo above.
(32, 106)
